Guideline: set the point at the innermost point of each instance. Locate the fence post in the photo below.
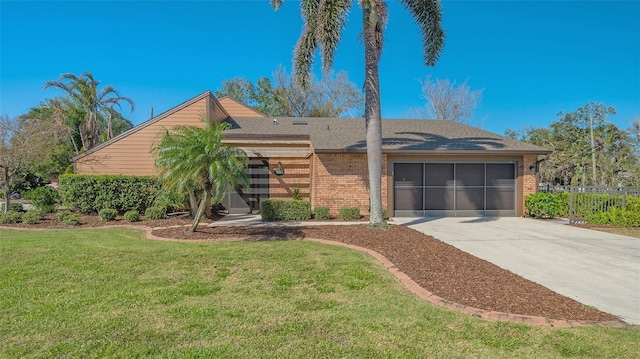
(571, 204)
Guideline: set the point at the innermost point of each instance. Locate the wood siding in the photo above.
(238, 109)
(130, 155)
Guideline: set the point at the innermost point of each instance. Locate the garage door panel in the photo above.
(408, 174)
(501, 198)
(408, 199)
(439, 199)
(469, 198)
(470, 174)
(439, 174)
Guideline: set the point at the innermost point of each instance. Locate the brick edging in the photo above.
(413, 287)
(426, 295)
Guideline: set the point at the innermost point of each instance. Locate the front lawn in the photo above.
(113, 293)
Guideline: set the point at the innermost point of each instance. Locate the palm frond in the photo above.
(330, 20)
(307, 43)
(276, 4)
(428, 15)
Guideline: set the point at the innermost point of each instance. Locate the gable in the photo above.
(236, 108)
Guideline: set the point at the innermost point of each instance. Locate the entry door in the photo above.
(454, 189)
(247, 200)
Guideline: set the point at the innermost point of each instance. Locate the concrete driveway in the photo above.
(595, 268)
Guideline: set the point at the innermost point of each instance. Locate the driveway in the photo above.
(595, 268)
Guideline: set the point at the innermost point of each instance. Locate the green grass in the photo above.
(110, 293)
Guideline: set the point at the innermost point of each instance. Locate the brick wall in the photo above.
(342, 180)
(296, 172)
(529, 178)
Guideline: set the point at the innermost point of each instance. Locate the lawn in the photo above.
(112, 293)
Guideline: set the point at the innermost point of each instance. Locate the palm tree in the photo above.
(194, 160)
(324, 21)
(97, 104)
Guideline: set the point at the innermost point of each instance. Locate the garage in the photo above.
(454, 189)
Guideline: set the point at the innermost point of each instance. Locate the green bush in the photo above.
(11, 217)
(562, 201)
(542, 205)
(44, 198)
(321, 213)
(68, 217)
(279, 210)
(615, 217)
(90, 193)
(171, 201)
(32, 217)
(633, 204)
(107, 214)
(349, 213)
(16, 207)
(132, 216)
(296, 193)
(154, 212)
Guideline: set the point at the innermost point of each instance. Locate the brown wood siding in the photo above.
(131, 154)
(216, 111)
(238, 109)
(296, 173)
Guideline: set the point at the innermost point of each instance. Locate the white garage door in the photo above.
(454, 189)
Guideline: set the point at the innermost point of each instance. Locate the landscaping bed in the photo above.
(438, 267)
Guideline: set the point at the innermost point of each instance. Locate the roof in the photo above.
(399, 135)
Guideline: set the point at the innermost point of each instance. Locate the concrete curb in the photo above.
(411, 285)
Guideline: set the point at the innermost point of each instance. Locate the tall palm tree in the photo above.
(324, 21)
(97, 104)
(193, 159)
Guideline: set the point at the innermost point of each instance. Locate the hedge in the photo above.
(91, 193)
(322, 213)
(349, 213)
(44, 199)
(290, 210)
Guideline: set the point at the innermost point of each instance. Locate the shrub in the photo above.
(32, 217)
(279, 210)
(154, 212)
(132, 216)
(16, 207)
(296, 193)
(68, 218)
(321, 213)
(542, 205)
(562, 201)
(11, 217)
(349, 213)
(44, 198)
(615, 217)
(107, 214)
(90, 193)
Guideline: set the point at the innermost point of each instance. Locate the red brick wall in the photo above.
(529, 178)
(342, 180)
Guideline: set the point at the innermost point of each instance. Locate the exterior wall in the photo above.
(529, 178)
(296, 173)
(130, 155)
(342, 180)
(238, 109)
(524, 177)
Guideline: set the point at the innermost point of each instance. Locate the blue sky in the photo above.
(532, 58)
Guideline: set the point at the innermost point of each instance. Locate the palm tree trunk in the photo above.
(372, 111)
(201, 209)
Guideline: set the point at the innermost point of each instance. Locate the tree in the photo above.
(587, 149)
(332, 96)
(98, 105)
(195, 160)
(21, 143)
(448, 101)
(323, 24)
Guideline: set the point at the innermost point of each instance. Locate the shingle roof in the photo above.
(348, 135)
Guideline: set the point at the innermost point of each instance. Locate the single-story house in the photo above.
(429, 167)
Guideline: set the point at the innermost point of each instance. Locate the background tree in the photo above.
(332, 96)
(98, 106)
(323, 25)
(448, 101)
(195, 160)
(21, 143)
(587, 149)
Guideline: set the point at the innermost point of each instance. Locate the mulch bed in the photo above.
(436, 266)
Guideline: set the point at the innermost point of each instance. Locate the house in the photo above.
(429, 167)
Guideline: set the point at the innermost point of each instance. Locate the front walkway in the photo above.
(595, 268)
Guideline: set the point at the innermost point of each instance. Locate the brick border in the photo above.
(410, 284)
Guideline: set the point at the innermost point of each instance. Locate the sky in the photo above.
(532, 59)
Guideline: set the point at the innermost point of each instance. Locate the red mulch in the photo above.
(438, 267)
